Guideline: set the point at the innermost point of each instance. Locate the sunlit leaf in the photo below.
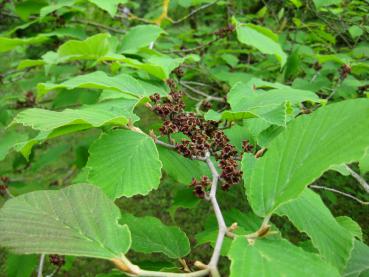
(275, 258)
(309, 214)
(124, 163)
(307, 148)
(78, 220)
(261, 38)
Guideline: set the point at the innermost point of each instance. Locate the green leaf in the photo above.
(180, 168)
(56, 6)
(26, 8)
(158, 66)
(323, 3)
(97, 80)
(7, 44)
(124, 163)
(78, 220)
(358, 262)
(29, 63)
(355, 31)
(275, 258)
(140, 36)
(274, 105)
(309, 214)
(308, 147)
(114, 112)
(350, 225)
(9, 140)
(92, 48)
(108, 5)
(341, 169)
(262, 39)
(150, 235)
(21, 265)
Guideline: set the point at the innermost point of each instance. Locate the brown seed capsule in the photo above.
(57, 260)
(345, 70)
(155, 97)
(246, 146)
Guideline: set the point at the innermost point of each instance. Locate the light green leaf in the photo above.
(341, 169)
(124, 163)
(275, 258)
(180, 168)
(55, 6)
(7, 44)
(140, 36)
(108, 5)
(92, 48)
(158, 66)
(8, 140)
(78, 220)
(150, 235)
(355, 31)
(358, 262)
(97, 80)
(262, 39)
(309, 214)
(350, 225)
(29, 63)
(26, 8)
(274, 105)
(297, 3)
(323, 3)
(308, 147)
(21, 265)
(114, 112)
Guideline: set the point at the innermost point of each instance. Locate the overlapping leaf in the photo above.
(274, 105)
(358, 262)
(108, 5)
(261, 38)
(275, 258)
(94, 47)
(124, 163)
(114, 112)
(78, 220)
(7, 44)
(309, 214)
(101, 48)
(123, 83)
(149, 235)
(180, 168)
(140, 36)
(8, 140)
(307, 148)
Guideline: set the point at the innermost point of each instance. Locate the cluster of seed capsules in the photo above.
(204, 136)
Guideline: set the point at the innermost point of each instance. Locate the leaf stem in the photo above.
(194, 12)
(358, 178)
(41, 265)
(199, 92)
(198, 273)
(340, 192)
